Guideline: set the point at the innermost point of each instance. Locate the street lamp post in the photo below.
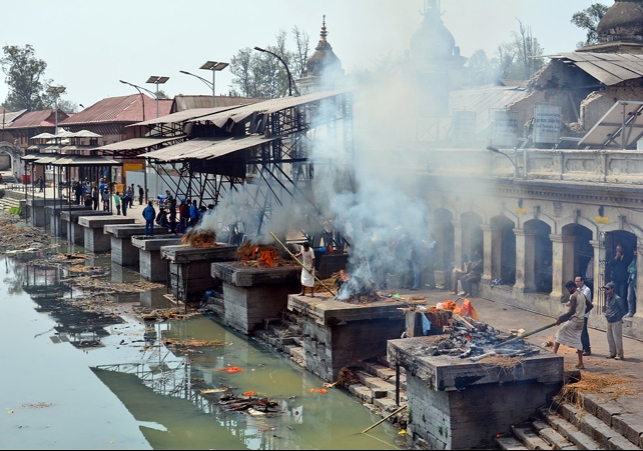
(215, 67)
(140, 90)
(56, 91)
(290, 83)
(157, 81)
(207, 83)
(496, 150)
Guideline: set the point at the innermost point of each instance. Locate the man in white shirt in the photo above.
(307, 273)
(580, 285)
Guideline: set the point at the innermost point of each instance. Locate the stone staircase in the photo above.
(374, 381)
(565, 426)
(10, 198)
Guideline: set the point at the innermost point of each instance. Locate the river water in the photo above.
(72, 378)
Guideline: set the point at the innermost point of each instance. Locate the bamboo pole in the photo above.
(382, 420)
(511, 340)
(301, 264)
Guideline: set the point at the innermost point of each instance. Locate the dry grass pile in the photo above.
(92, 284)
(597, 383)
(192, 343)
(503, 362)
(346, 377)
(199, 238)
(16, 235)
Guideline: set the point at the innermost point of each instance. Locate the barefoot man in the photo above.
(570, 333)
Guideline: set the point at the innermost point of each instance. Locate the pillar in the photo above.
(562, 263)
(639, 281)
(457, 243)
(525, 256)
(496, 252)
(487, 251)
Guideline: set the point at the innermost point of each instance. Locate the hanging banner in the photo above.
(505, 129)
(464, 127)
(547, 124)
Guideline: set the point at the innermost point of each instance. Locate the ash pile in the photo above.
(476, 340)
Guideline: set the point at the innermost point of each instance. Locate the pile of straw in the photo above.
(503, 362)
(597, 383)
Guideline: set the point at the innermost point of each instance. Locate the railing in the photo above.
(593, 166)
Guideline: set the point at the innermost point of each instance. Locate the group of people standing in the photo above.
(176, 219)
(574, 332)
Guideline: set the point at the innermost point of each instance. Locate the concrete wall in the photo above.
(248, 308)
(471, 418)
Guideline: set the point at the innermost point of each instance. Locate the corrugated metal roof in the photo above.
(182, 102)
(608, 68)
(137, 143)
(35, 156)
(84, 160)
(266, 107)
(205, 148)
(182, 116)
(44, 118)
(120, 109)
(8, 117)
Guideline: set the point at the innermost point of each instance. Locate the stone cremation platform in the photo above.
(459, 402)
(94, 229)
(190, 267)
(52, 218)
(151, 264)
(339, 334)
(124, 252)
(69, 222)
(252, 294)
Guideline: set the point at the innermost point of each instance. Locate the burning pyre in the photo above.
(476, 340)
(259, 255)
(355, 288)
(199, 238)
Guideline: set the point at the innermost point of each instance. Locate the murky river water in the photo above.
(72, 379)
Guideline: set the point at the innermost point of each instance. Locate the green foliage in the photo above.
(15, 211)
(588, 19)
(519, 57)
(24, 78)
(259, 74)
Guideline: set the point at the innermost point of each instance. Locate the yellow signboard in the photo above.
(132, 167)
(601, 220)
(521, 211)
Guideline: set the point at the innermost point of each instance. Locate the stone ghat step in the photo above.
(385, 373)
(510, 443)
(604, 435)
(584, 429)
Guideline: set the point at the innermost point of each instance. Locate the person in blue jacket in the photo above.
(149, 214)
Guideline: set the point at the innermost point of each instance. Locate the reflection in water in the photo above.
(161, 385)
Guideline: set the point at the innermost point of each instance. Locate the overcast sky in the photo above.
(89, 46)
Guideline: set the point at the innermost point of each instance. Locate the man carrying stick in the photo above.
(570, 333)
(308, 262)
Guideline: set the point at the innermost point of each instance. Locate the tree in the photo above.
(482, 70)
(520, 58)
(588, 19)
(259, 74)
(24, 73)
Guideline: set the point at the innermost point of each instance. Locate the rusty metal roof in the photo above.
(608, 68)
(31, 119)
(137, 143)
(205, 148)
(8, 117)
(185, 115)
(266, 107)
(119, 109)
(183, 102)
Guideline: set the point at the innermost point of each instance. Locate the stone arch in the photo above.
(616, 270)
(538, 255)
(442, 227)
(581, 260)
(503, 249)
(472, 238)
(8, 156)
